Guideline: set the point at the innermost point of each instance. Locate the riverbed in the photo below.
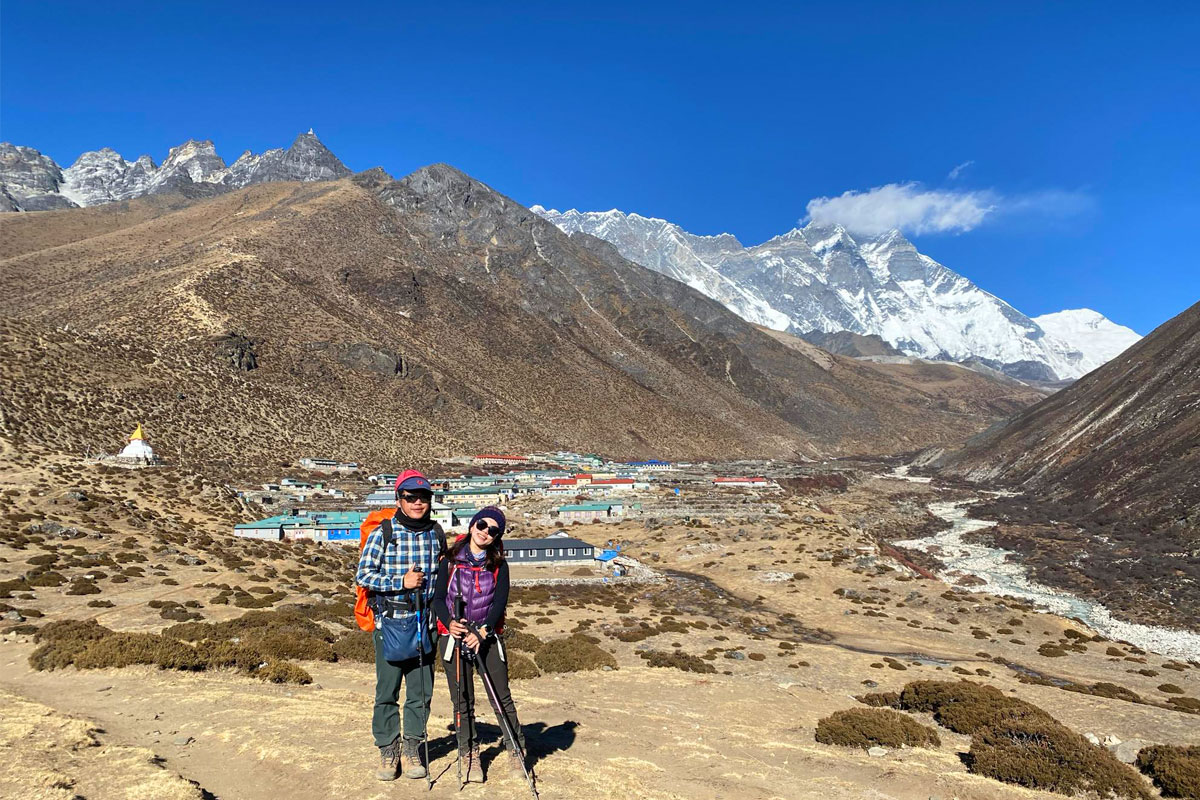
(1003, 574)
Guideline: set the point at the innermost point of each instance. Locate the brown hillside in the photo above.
(382, 321)
(1109, 467)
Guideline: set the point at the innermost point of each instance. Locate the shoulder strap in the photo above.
(441, 537)
(389, 533)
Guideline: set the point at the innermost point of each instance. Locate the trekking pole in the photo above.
(462, 697)
(422, 632)
(505, 724)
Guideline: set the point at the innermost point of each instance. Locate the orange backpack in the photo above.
(363, 614)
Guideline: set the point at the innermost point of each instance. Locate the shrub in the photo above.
(283, 672)
(867, 727)
(250, 601)
(965, 706)
(1170, 688)
(521, 667)
(524, 642)
(126, 649)
(1185, 704)
(62, 641)
(83, 586)
(634, 634)
(1050, 650)
(1113, 692)
(222, 655)
(100, 603)
(572, 654)
(681, 661)
(1174, 769)
(880, 699)
(189, 631)
(17, 585)
(48, 578)
(355, 646)
(1042, 754)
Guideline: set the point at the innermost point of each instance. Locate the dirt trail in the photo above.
(635, 732)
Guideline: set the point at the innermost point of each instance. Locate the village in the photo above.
(551, 498)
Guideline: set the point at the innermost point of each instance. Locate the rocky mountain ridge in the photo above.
(822, 278)
(31, 181)
(815, 279)
(379, 321)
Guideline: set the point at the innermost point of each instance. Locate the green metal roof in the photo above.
(321, 519)
(586, 507)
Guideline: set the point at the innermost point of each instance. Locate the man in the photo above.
(394, 572)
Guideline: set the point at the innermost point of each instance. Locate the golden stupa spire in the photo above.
(137, 434)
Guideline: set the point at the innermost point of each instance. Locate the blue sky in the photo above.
(1077, 123)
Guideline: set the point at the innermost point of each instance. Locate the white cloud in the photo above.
(906, 206)
(917, 210)
(954, 173)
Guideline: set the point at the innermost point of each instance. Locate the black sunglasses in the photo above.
(492, 530)
(414, 498)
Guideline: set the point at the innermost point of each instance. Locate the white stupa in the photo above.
(138, 449)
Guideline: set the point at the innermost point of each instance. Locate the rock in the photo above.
(182, 741)
(1126, 752)
(1111, 741)
(870, 684)
(877, 752)
(14, 616)
(238, 350)
(188, 558)
(736, 655)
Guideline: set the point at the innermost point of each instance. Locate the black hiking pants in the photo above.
(492, 655)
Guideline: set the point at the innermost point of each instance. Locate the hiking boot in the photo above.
(389, 762)
(413, 768)
(516, 763)
(474, 765)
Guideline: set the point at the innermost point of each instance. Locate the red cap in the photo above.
(412, 480)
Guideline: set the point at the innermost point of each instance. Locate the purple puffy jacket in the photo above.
(476, 585)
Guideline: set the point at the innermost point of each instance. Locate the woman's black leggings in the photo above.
(464, 702)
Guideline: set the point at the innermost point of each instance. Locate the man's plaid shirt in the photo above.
(384, 573)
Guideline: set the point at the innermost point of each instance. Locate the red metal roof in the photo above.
(611, 481)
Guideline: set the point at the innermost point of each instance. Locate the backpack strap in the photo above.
(389, 533)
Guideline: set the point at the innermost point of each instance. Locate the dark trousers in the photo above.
(464, 701)
(418, 693)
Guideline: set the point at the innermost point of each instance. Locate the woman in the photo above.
(475, 572)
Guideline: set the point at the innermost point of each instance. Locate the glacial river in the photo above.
(1008, 578)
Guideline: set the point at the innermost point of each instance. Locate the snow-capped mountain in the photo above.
(823, 278)
(667, 248)
(30, 181)
(1090, 332)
